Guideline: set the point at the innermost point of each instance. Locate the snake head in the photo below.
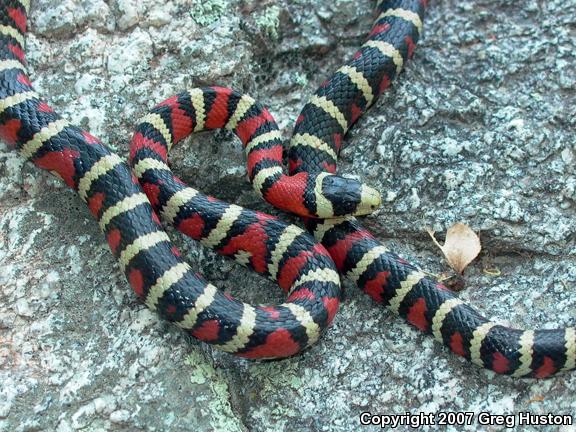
(340, 196)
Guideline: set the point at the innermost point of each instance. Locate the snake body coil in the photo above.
(305, 269)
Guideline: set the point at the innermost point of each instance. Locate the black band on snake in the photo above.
(305, 269)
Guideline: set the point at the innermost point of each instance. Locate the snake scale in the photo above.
(126, 200)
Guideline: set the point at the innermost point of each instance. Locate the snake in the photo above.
(306, 263)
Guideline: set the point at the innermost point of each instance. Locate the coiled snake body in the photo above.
(305, 268)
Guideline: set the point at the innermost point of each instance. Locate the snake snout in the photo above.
(348, 197)
(370, 201)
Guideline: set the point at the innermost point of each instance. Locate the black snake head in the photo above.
(340, 196)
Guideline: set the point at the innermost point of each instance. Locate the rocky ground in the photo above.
(480, 128)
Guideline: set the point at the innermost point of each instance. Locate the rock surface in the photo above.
(480, 128)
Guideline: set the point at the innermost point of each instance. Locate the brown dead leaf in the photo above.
(462, 245)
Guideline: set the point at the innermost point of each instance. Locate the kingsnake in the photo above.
(302, 267)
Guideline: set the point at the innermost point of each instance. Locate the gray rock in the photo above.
(479, 128)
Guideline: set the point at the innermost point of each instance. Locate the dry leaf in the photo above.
(462, 245)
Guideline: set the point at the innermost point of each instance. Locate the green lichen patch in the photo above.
(207, 12)
(202, 372)
(269, 22)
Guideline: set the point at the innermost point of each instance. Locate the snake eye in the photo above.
(370, 201)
